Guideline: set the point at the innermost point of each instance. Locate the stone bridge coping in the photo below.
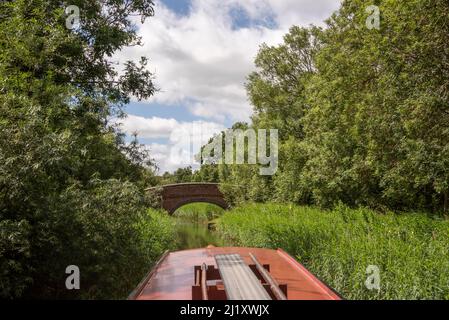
(182, 184)
(174, 196)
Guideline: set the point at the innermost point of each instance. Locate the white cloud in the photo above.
(155, 127)
(148, 127)
(302, 12)
(158, 151)
(184, 139)
(201, 60)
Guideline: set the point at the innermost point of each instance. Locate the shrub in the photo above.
(105, 230)
(410, 250)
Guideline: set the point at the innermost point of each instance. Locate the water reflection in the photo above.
(192, 226)
(191, 236)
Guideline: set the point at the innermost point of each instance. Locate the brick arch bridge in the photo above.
(174, 196)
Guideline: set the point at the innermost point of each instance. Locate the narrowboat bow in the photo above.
(231, 273)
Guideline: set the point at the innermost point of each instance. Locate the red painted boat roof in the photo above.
(173, 277)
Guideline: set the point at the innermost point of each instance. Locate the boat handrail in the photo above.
(274, 286)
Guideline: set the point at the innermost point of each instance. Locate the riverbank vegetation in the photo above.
(338, 245)
(157, 231)
(71, 187)
(362, 113)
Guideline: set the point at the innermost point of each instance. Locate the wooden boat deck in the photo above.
(173, 277)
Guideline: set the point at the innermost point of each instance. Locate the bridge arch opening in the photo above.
(183, 204)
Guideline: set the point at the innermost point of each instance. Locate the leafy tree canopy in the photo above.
(70, 187)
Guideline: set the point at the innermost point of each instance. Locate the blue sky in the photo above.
(201, 52)
(240, 17)
(180, 7)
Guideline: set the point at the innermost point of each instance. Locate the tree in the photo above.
(277, 90)
(377, 129)
(70, 187)
(183, 175)
(362, 113)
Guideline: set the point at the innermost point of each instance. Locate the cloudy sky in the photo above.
(201, 52)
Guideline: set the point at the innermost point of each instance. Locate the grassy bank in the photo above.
(411, 251)
(157, 231)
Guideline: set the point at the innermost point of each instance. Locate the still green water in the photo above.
(191, 236)
(192, 226)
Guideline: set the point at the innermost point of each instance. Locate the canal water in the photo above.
(192, 223)
(191, 236)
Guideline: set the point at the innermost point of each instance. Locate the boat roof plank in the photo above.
(239, 280)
